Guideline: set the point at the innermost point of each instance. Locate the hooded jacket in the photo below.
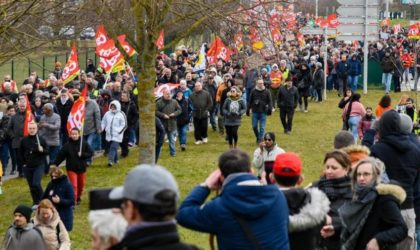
(25, 238)
(114, 123)
(307, 211)
(51, 131)
(263, 208)
(400, 155)
(54, 232)
(63, 189)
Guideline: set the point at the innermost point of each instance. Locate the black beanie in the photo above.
(25, 211)
(270, 135)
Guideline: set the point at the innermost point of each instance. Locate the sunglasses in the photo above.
(267, 139)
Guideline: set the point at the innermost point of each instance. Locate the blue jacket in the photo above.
(354, 67)
(63, 189)
(263, 208)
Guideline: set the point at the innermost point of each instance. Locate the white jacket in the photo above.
(114, 123)
(260, 158)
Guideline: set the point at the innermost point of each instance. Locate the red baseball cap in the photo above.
(287, 164)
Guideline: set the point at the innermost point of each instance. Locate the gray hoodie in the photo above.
(25, 238)
(92, 118)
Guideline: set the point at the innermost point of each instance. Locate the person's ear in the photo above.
(272, 179)
(300, 181)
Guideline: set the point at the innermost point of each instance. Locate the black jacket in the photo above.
(29, 149)
(260, 101)
(307, 211)
(400, 155)
(69, 152)
(64, 111)
(159, 237)
(384, 222)
(184, 117)
(4, 123)
(131, 112)
(287, 98)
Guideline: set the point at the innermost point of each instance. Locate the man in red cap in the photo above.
(308, 208)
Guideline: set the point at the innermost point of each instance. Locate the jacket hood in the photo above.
(391, 189)
(311, 207)
(399, 142)
(389, 123)
(117, 105)
(244, 195)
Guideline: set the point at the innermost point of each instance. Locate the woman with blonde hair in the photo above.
(52, 228)
(233, 109)
(400, 108)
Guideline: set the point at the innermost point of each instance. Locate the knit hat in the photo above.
(343, 139)
(406, 124)
(270, 135)
(287, 164)
(25, 211)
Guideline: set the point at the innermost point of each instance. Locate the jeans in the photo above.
(171, 138)
(53, 153)
(4, 155)
(113, 151)
(342, 85)
(261, 118)
(89, 139)
(353, 123)
(386, 80)
(213, 113)
(182, 133)
(34, 177)
(352, 81)
(77, 181)
(416, 79)
(132, 136)
(274, 93)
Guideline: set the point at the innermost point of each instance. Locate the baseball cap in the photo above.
(144, 183)
(287, 164)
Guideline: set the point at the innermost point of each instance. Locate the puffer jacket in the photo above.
(54, 232)
(51, 131)
(233, 109)
(114, 123)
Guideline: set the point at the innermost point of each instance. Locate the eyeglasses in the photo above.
(365, 174)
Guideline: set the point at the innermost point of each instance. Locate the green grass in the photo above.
(312, 137)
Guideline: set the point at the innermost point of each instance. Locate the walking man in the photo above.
(261, 105)
(202, 104)
(287, 101)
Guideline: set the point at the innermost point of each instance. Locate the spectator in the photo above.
(29, 237)
(365, 123)
(131, 112)
(303, 85)
(5, 149)
(108, 228)
(276, 81)
(343, 139)
(183, 120)
(354, 71)
(52, 228)
(239, 209)
(90, 66)
(250, 80)
(308, 208)
(383, 106)
(149, 199)
(15, 130)
(342, 69)
(318, 80)
(60, 192)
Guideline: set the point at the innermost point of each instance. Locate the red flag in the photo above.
(276, 35)
(158, 91)
(414, 31)
(29, 117)
(76, 117)
(256, 40)
(127, 48)
(160, 42)
(71, 70)
(385, 22)
(217, 50)
(332, 21)
(109, 55)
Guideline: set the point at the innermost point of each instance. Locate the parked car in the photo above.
(87, 33)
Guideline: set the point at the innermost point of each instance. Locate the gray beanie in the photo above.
(406, 124)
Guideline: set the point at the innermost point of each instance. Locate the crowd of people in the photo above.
(366, 198)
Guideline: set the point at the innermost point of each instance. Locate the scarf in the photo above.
(335, 188)
(354, 214)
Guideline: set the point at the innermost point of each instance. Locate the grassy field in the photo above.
(312, 137)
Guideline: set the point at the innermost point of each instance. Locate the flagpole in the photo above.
(83, 123)
(131, 69)
(107, 78)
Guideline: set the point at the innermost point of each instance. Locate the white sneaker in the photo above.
(306, 111)
(198, 142)
(205, 140)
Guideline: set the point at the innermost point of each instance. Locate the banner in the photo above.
(160, 89)
(201, 62)
(127, 48)
(71, 70)
(414, 31)
(29, 117)
(217, 50)
(76, 117)
(160, 42)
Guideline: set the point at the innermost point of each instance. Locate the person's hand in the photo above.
(327, 231)
(328, 220)
(56, 199)
(263, 177)
(40, 149)
(372, 245)
(262, 145)
(346, 98)
(79, 154)
(166, 116)
(171, 115)
(213, 181)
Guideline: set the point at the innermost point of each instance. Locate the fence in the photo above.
(20, 68)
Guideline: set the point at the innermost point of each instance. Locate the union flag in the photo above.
(29, 117)
(217, 50)
(160, 43)
(109, 55)
(76, 117)
(127, 48)
(72, 69)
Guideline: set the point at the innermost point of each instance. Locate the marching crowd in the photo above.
(367, 196)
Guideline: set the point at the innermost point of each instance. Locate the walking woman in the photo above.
(233, 109)
(353, 113)
(303, 84)
(372, 220)
(336, 184)
(75, 162)
(52, 228)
